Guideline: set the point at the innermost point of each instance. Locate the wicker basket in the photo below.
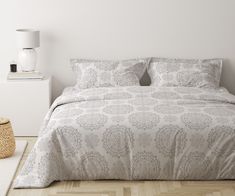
(7, 140)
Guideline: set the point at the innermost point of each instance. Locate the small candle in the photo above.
(13, 67)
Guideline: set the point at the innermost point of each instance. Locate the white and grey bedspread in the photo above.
(134, 133)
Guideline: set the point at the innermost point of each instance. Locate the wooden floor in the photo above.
(127, 188)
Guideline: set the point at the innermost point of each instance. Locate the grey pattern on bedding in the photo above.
(134, 133)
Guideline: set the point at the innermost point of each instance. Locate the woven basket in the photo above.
(7, 140)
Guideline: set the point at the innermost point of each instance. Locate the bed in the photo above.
(134, 133)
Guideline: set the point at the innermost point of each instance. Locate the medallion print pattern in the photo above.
(134, 133)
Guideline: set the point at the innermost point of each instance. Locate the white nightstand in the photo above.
(25, 103)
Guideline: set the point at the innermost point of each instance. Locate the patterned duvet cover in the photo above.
(134, 133)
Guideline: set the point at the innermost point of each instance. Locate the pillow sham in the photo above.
(105, 73)
(185, 72)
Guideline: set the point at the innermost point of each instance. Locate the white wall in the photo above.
(111, 29)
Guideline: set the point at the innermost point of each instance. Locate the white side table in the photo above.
(25, 103)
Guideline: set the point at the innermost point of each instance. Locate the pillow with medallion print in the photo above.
(185, 72)
(107, 73)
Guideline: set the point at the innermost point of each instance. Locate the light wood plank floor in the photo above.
(126, 188)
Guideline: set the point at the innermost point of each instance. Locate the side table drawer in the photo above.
(25, 103)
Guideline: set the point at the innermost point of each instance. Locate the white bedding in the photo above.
(134, 133)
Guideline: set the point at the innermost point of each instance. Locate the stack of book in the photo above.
(25, 76)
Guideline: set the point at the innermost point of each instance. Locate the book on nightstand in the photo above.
(25, 76)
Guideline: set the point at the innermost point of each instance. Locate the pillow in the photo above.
(185, 72)
(98, 73)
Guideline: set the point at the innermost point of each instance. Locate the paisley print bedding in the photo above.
(134, 133)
